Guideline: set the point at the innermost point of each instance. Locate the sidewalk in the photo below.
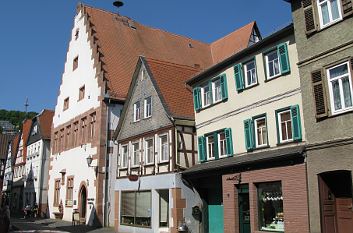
(53, 225)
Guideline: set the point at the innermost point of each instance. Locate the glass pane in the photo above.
(143, 208)
(334, 10)
(261, 131)
(217, 90)
(347, 92)
(222, 144)
(338, 71)
(163, 207)
(270, 199)
(325, 14)
(210, 143)
(127, 207)
(336, 95)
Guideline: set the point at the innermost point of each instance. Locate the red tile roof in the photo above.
(14, 145)
(45, 120)
(5, 139)
(26, 128)
(170, 79)
(120, 41)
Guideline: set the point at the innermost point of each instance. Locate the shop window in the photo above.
(270, 206)
(136, 208)
(163, 208)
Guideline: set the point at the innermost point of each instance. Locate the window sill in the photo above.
(147, 117)
(261, 147)
(274, 77)
(249, 87)
(149, 164)
(163, 162)
(341, 112)
(211, 105)
(288, 142)
(123, 168)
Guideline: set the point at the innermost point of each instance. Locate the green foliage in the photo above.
(16, 117)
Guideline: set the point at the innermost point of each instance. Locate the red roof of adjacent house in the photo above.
(26, 128)
(170, 79)
(45, 120)
(5, 139)
(14, 145)
(120, 42)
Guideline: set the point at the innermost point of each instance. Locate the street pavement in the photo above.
(52, 225)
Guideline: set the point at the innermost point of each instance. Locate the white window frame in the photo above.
(160, 148)
(203, 96)
(339, 78)
(146, 150)
(220, 144)
(280, 126)
(268, 65)
(218, 80)
(137, 111)
(207, 151)
(126, 159)
(134, 164)
(246, 73)
(322, 25)
(256, 135)
(146, 113)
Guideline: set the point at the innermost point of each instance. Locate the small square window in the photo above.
(148, 107)
(81, 93)
(250, 73)
(66, 103)
(273, 67)
(137, 111)
(75, 63)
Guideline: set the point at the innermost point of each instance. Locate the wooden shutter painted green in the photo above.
(215, 145)
(238, 75)
(202, 149)
(224, 87)
(296, 124)
(249, 136)
(197, 98)
(229, 141)
(282, 51)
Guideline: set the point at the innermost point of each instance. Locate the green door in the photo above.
(215, 211)
(244, 209)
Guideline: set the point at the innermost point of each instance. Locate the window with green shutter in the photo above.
(229, 141)
(202, 148)
(249, 136)
(224, 87)
(288, 124)
(215, 145)
(296, 124)
(197, 98)
(238, 76)
(282, 51)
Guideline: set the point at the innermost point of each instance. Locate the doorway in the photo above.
(244, 208)
(335, 191)
(83, 202)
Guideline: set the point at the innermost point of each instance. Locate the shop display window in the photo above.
(270, 201)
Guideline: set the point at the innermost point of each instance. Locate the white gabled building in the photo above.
(37, 162)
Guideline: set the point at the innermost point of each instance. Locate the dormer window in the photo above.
(75, 63)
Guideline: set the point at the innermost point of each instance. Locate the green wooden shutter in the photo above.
(296, 124)
(197, 98)
(224, 87)
(229, 141)
(282, 51)
(249, 137)
(202, 149)
(215, 147)
(210, 95)
(238, 75)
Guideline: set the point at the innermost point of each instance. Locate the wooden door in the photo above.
(344, 215)
(328, 208)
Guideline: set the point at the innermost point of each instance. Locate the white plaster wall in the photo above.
(74, 162)
(266, 97)
(8, 170)
(72, 81)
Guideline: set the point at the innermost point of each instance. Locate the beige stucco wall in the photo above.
(266, 97)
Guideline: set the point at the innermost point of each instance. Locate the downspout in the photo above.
(41, 177)
(106, 181)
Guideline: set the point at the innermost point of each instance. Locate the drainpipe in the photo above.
(106, 180)
(41, 177)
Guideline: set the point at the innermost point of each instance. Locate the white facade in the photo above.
(8, 175)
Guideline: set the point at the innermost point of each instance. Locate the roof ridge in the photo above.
(170, 63)
(229, 34)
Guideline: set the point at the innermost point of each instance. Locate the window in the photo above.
(288, 124)
(250, 73)
(136, 208)
(75, 63)
(92, 127)
(211, 92)
(69, 191)
(124, 156)
(164, 148)
(77, 34)
(272, 64)
(61, 142)
(148, 107)
(137, 111)
(215, 145)
(136, 154)
(210, 147)
(75, 141)
(81, 94)
(57, 192)
(163, 208)
(270, 206)
(340, 88)
(35, 130)
(83, 129)
(260, 132)
(66, 103)
(68, 137)
(149, 151)
(329, 11)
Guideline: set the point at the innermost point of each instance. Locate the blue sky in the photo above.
(34, 36)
